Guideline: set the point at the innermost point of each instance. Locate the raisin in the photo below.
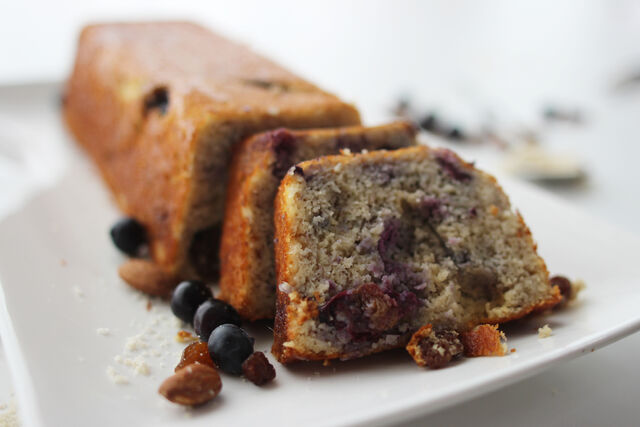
(435, 349)
(565, 289)
(197, 352)
(363, 312)
(564, 284)
(257, 369)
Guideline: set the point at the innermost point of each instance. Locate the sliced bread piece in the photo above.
(370, 247)
(247, 274)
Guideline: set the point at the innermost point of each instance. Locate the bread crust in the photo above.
(289, 314)
(251, 190)
(166, 162)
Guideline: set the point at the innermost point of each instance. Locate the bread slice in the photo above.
(158, 106)
(247, 273)
(370, 247)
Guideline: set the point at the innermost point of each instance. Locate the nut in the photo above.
(147, 277)
(192, 385)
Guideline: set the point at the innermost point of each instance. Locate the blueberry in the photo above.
(429, 123)
(455, 134)
(229, 347)
(211, 314)
(186, 298)
(129, 236)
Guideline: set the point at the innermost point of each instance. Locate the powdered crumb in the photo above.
(135, 343)
(78, 292)
(545, 332)
(103, 331)
(9, 414)
(115, 377)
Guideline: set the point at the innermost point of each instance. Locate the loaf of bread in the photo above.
(370, 247)
(158, 107)
(247, 272)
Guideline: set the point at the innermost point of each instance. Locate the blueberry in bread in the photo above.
(158, 107)
(370, 247)
(247, 273)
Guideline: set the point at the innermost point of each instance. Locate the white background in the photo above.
(467, 59)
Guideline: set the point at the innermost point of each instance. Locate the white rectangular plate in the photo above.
(59, 285)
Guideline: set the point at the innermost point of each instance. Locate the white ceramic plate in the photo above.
(59, 286)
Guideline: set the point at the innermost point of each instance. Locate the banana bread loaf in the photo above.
(247, 272)
(370, 247)
(158, 107)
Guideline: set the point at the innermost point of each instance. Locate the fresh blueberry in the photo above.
(455, 134)
(129, 236)
(211, 314)
(187, 297)
(429, 123)
(229, 347)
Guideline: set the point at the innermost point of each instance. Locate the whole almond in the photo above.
(147, 277)
(194, 384)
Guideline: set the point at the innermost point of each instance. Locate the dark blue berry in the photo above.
(187, 297)
(429, 123)
(211, 314)
(129, 236)
(229, 347)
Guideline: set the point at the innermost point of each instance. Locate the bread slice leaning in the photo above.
(247, 274)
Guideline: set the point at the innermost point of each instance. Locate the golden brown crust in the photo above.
(483, 340)
(252, 171)
(159, 165)
(288, 316)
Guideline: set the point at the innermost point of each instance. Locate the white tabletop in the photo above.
(467, 60)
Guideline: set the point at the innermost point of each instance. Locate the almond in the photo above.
(194, 384)
(147, 277)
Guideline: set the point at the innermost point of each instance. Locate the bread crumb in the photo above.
(103, 331)
(115, 377)
(545, 332)
(78, 292)
(185, 336)
(484, 340)
(135, 343)
(9, 414)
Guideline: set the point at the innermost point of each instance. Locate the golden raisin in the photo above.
(197, 352)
